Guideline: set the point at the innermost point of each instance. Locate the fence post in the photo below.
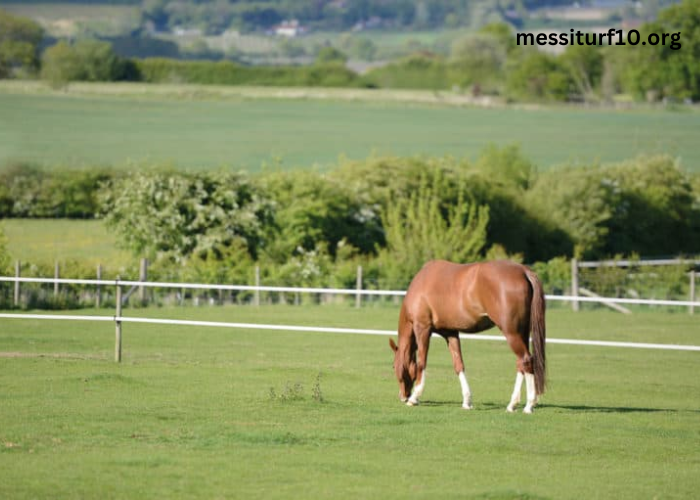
(574, 284)
(56, 275)
(691, 309)
(143, 276)
(117, 320)
(98, 294)
(358, 297)
(18, 266)
(256, 299)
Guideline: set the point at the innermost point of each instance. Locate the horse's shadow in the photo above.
(489, 405)
(615, 409)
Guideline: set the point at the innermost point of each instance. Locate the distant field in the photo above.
(210, 127)
(44, 241)
(66, 19)
(217, 413)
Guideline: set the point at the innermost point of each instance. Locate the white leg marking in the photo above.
(466, 393)
(531, 395)
(515, 398)
(417, 391)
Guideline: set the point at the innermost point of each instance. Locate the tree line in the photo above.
(486, 62)
(388, 214)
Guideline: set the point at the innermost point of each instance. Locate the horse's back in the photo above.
(461, 296)
(441, 276)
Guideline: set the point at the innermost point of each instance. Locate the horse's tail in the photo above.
(537, 327)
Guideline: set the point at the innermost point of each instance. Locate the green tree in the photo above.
(314, 212)
(420, 228)
(178, 216)
(683, 61)
(506, 166)
(670, 69)
(85, 60)
(534, 75)
(501, 32)
(19, 44)
(659, 214)
(584, 64)
(581, 201)
(646, 206)
(480, 59)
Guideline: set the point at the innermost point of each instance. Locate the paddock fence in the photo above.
(670, 279)
(118, 318)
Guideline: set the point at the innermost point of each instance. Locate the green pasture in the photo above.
(39, 241)
(68, 11)
(196, 412)
(74, 18)
(202, 127)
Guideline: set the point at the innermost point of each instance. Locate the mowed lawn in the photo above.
(195, 127)
(196, 412)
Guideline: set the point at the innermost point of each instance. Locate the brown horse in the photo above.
(447, 298)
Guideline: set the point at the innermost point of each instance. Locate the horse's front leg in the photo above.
(453, 343)
(422, 334)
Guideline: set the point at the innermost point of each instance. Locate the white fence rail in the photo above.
(118, 318)
(331, 291)
(322, 329)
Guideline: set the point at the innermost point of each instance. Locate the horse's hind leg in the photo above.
(518, 343)
(455, 347)
(422, 333)
(515, 397)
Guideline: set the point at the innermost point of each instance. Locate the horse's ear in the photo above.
(393, 345)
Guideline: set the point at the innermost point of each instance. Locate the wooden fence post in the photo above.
(117, 320)
(256, 297)
(18, 267)
(143, 276)
(691, 309)
(56, 275)
(358, 297)
(98, 292)
(574, 284)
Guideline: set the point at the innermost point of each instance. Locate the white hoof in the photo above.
(510, 409)
(528, 410)
(411, 402)
(467, 407)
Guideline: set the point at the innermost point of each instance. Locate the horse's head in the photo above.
(405, 368)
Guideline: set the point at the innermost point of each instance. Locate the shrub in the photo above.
(85, 60)
(19, 44)
(537, 76)
(180, 216)
(29, 191)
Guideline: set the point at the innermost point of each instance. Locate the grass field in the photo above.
(48, 240)
(67, 19)
(203, 127)
(214, 413)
